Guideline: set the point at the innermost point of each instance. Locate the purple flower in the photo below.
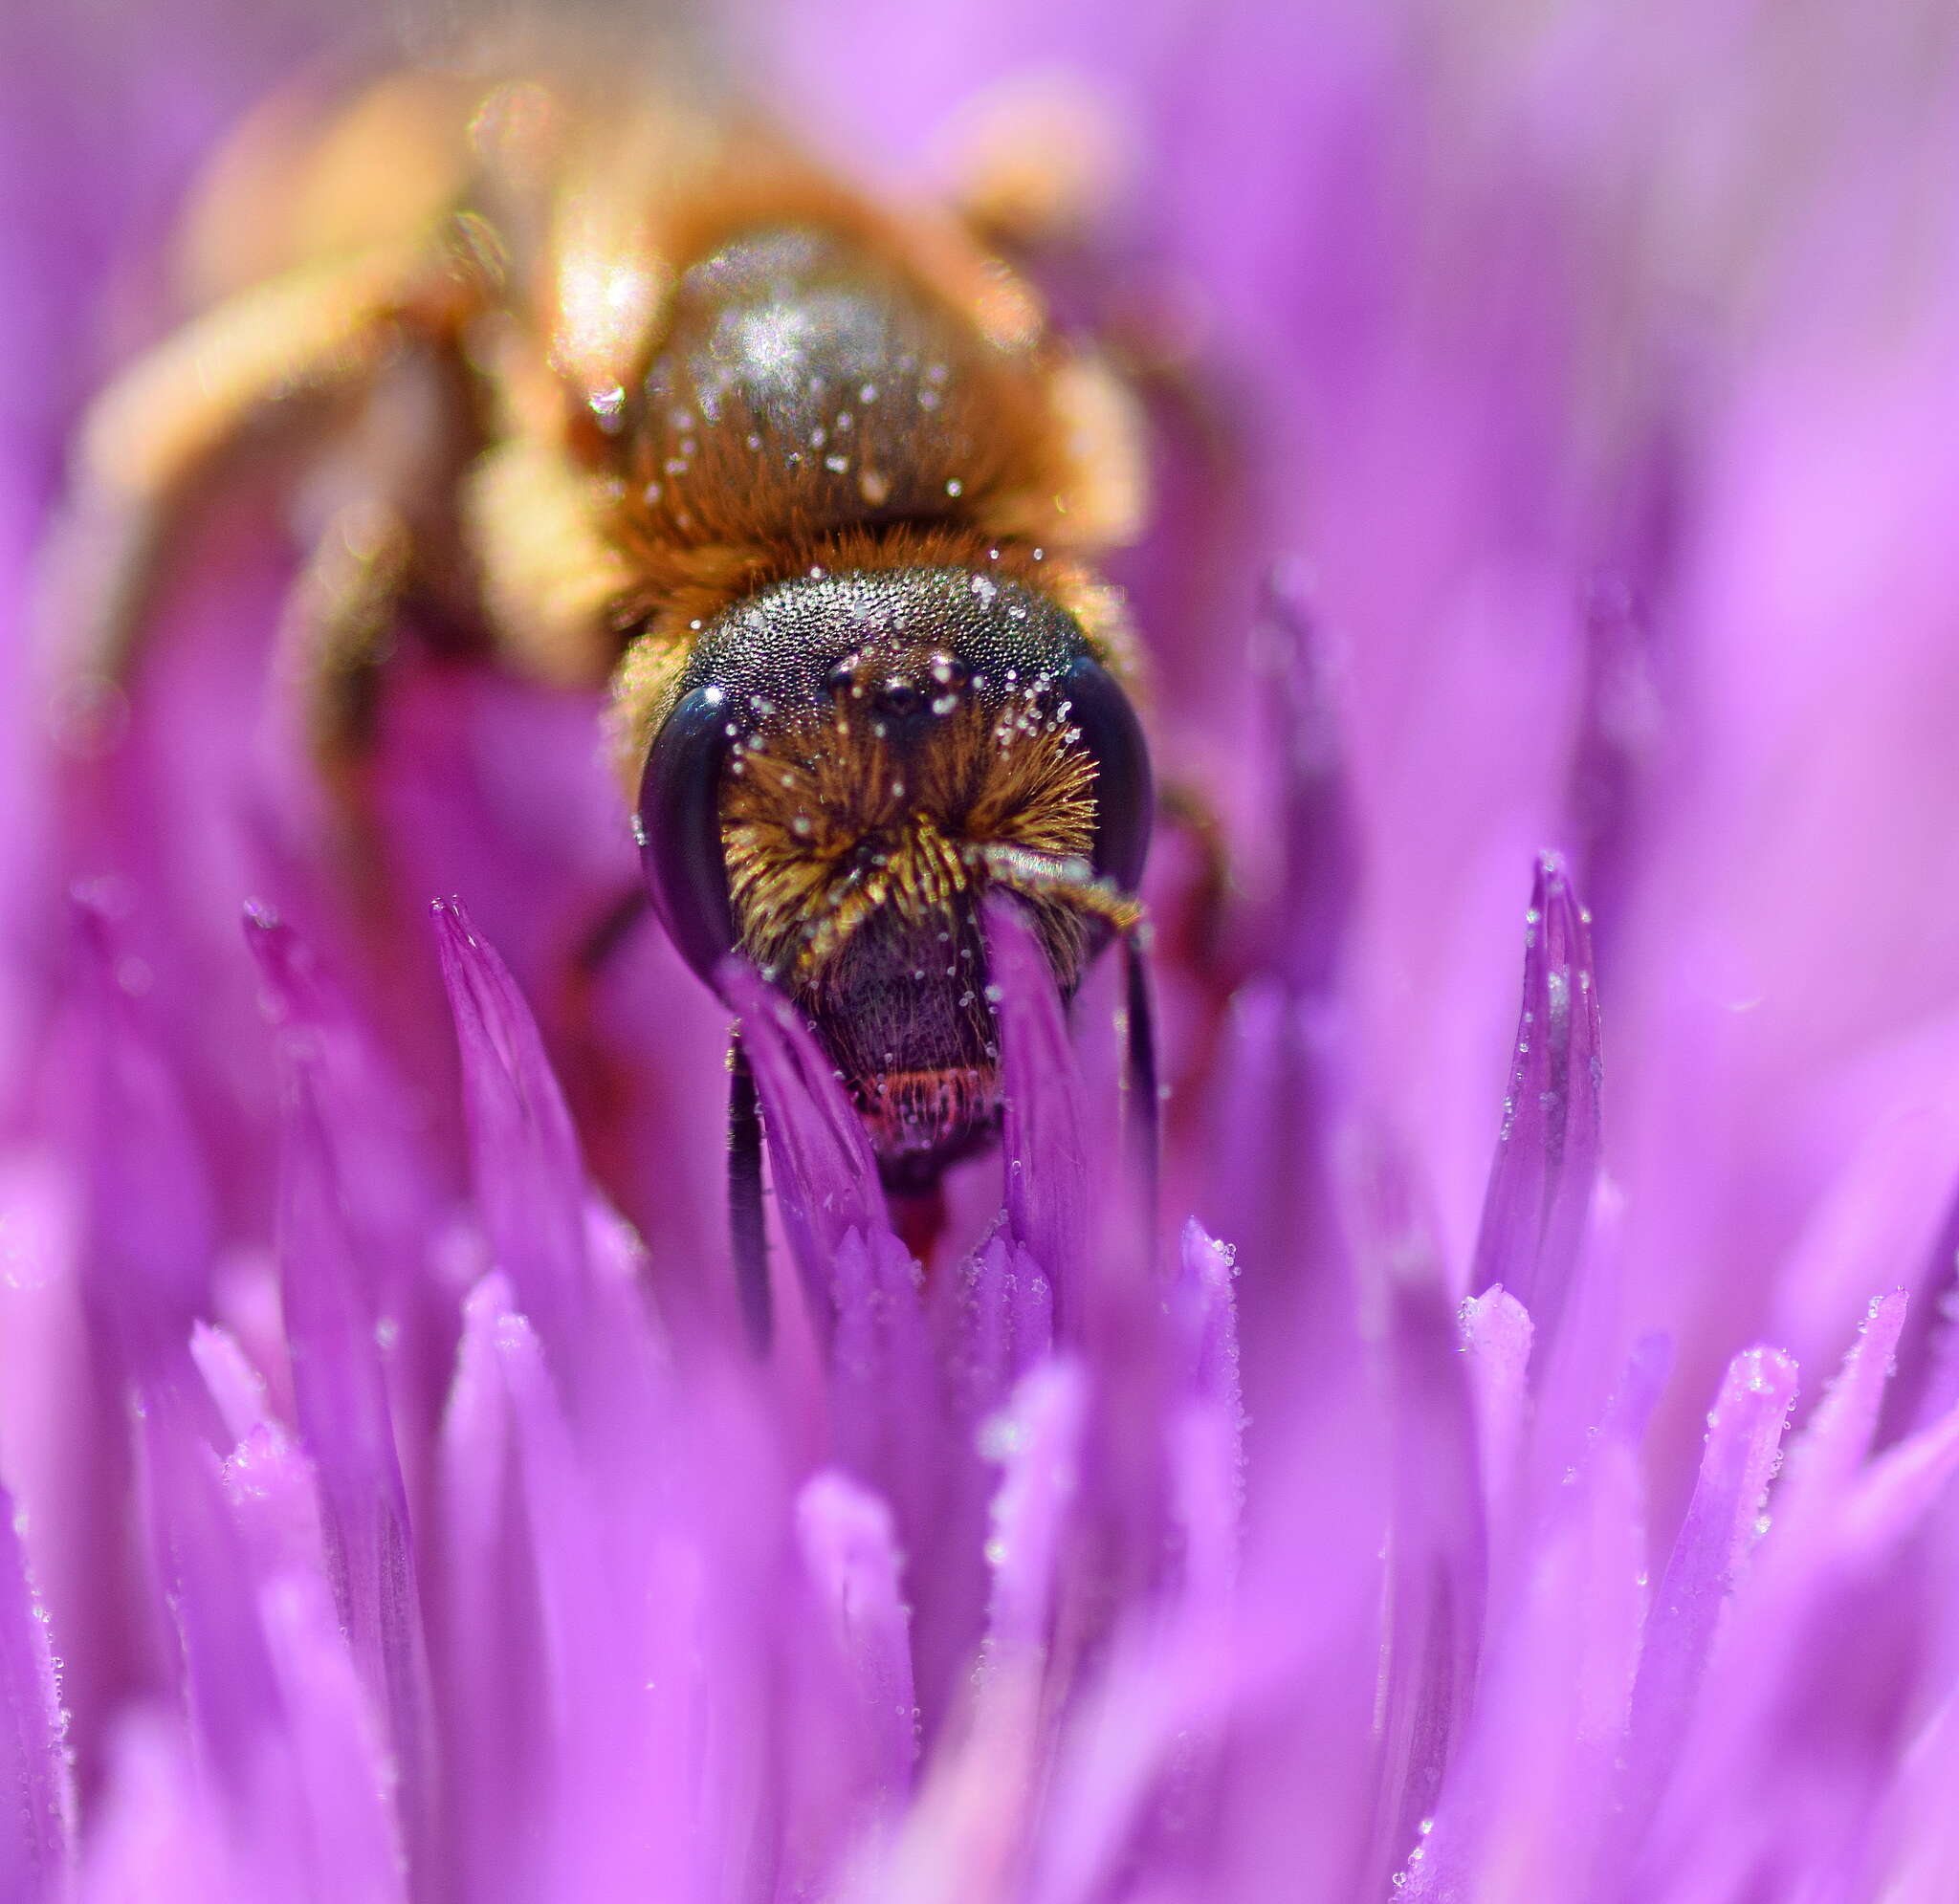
(1514, 1459)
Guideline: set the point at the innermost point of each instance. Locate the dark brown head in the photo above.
(852, 760)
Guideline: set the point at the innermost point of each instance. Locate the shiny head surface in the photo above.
(852, 760)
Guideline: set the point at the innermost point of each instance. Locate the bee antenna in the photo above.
(1074, 882)
(747, 1226)
(1139, 1064)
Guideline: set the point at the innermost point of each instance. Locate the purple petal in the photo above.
(1619, 734)
(525, 1154)
(1495, 1334)
(849, 1549)
(150, 1225)
(996, 1326)
(1827, 1454)
(382, 1150)
(1005, 1324)
(1573, 1384)
(344, 1419)
(1898, 1489)
(1538, 1772)
(1437, 1560)
(1437, 1544)
(1523, 1807)
(1205, 1444)
(1283, 1085)
(570, 1582)
(884, 1405)
(494, 1727)
(33, 1764)
(342, 1766)
(820, 1159)
(236, 1388)
(1037, 1441)
(1207, 1313)
(1540, 1184)
(576, 1763)
(1812, 1686)
(1107, 1766)
(200, 1566)
(1926, 1382)
(1043, 1129)
(156, 1834)
(1319, 852)
(1916, 1832)
(1880, 1220)
(1743, 1444)
(273, 1492)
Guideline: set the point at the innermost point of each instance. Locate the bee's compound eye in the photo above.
(680, 829)
(1125, 798)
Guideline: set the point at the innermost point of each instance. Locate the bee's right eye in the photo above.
(1125, 798)
(679, 829)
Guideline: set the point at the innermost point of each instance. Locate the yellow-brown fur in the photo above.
(825, 825)
(523, 205)
(550, 287)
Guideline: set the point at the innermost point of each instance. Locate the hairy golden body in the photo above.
(574, 380)
(527, 252)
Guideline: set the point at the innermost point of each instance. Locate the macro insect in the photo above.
(619, 392)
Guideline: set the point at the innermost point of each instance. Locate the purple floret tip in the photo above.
(1548, 1145)
(1043, 1138)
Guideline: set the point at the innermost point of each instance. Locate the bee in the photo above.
(625, 393)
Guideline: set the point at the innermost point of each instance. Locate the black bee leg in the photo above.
(1139, 1066)
(613, 929)
(335, 637)
(747, 1229)
(1200, 928)
(597, 1075)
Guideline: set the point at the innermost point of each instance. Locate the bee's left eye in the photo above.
(680, 829)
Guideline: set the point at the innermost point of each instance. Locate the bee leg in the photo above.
(547, 574)
(1198, 929)
(1139, 1073)
(332, 649)
(264, 371)
(1037, 161)
(615, 928)
(747, 1225)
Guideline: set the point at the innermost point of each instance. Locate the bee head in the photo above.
(853, 759)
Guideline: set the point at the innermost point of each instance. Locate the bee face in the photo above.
(854, 758)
